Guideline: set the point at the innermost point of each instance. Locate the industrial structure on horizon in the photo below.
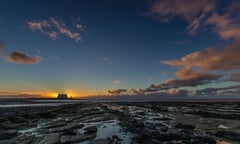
(63, 96)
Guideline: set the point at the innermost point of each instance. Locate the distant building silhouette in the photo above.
(62, 96)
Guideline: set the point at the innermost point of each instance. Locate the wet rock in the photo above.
(229, 135)
(6, 134)
(100, 141)
(184, 126)
(77, 138)
(115, 139)
(66, 128)
(26, 139)
(48, 114)
(90, 130)
(53, 138)
(18, 119)
(199, 140)
(3, 119)
(54, 124)
(9, 125)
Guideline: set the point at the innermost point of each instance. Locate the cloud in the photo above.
(192, 11)
(178, 92)
(234, 77)
(225, 26)
(61, 26)
(79, 27)
(55, 27)
(116, 81)
(211, 59)
(219, 91)
(53, 35)
(105, 59)
(200, 67)
(19, 57)
(165, 10)
(136, 92)
(38, 25)
(200, 14)
(152, 90)
(53, 57)
(117, 91)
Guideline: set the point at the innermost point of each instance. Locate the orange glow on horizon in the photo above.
(52, 93)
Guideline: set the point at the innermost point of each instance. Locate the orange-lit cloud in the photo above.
(200, 14)
(117, 91)
(19, 57)
(192, 11)
(225, 26)
(211, 59)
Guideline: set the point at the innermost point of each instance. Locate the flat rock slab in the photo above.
(78, 138)
(100, 141)
(5, 134)
(66, 128)
(53, 138)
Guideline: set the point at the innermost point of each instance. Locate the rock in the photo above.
(25, 139)
(184, 126)
(229, 135)
(116, 137)
(5, 134)
(18, 119)
(77, 138)
(100, 141)
(53, 124)
(3, 119)
(53, 138)
(90, 130)
(9, 125)
(66, 128)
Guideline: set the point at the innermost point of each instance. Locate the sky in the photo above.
(160, 48)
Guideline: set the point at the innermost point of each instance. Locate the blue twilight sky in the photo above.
(146, 47)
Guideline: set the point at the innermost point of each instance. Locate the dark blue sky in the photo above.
(118, 45)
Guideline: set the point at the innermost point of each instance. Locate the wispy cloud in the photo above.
(53, 57)
(61, 26)
(38, 25)
(117, 91)
(165, 10)
(105, 59)
(19, 57)
(116, 81)
(79, 27)
(53, 35)
(200, 14)
(55, 27)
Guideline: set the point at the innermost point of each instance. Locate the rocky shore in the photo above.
(121, 123)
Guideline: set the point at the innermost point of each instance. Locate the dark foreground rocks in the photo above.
(137, 123)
